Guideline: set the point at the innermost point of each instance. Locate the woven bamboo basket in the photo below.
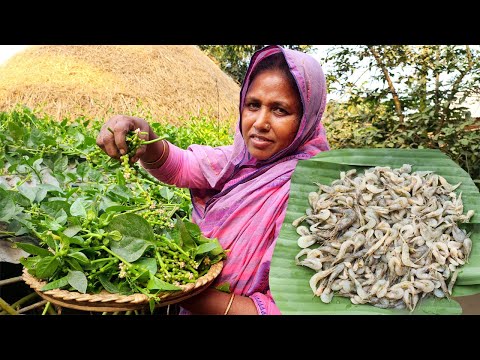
(108, 302)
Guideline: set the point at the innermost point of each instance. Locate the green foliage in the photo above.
(234, 59)
(97, 223)
(411, 99)
(196, 130)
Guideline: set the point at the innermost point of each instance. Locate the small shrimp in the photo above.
(343, 250)
(361, 293)
(299, 220)
(306, 241)
(425, 286)
(300, 254)
(394, 294)
(458, 234)
(326, 296)
(406, 256)
(348, 219)
(452, 281)
(312, 263)
(317, 277)
(313, 198)
(467, 245)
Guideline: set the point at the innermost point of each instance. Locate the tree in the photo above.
(233, 59)
(412, 98)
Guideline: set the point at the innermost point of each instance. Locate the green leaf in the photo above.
(148, 263)
(185, 240)
(52, 244)
(82, 169)
(16, 131)
(129, 248)
(77, 209)
(18, 228)
(157, 284)
(31, 263)
(137, 236)
(122, 191)
(166, 193)
(193, 229)
(217, 250)
(120, 177)
(72, 230)
(61, 217)
(77, 240)
(60, 165)
(141, 275)
(80, 257)
(57, 284)
(29, 192)
(51, 224)
(46, 267)
(41, 194)
(78, 281)
(33, 249)
(107, 285)
(205, 248)
(19, 199)
(95, 175)
(51, 207)
(289, 282)
(74, 265)
(151, 305)
(225, 287)
(7, 207)
(37, 137)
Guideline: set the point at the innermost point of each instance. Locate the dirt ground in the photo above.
(470, 304)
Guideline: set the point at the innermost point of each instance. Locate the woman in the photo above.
(240, 192)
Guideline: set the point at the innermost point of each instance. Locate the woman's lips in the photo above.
(260, 142)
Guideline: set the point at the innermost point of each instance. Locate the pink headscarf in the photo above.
(246, 206)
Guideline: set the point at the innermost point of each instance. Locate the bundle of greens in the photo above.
(97, 224)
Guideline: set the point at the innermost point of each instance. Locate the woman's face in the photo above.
(270, 115)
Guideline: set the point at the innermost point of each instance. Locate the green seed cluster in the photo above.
(176, 266)
(133, 142)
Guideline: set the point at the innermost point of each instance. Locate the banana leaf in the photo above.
(289, 283)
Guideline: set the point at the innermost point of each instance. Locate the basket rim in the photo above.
(105, 301)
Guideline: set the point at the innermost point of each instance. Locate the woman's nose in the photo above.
(262, 122)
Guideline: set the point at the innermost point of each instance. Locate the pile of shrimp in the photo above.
(386, 237)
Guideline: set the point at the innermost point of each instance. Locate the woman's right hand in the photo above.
(112, 137)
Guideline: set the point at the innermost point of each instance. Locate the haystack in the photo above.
(160, 82)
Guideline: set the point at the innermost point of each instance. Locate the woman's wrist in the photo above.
(155, 155)
(215, 302)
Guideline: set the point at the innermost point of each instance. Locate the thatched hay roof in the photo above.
(168, 82)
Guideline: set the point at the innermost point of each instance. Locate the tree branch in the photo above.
(456, 84)
(437, 84)
(396, 100)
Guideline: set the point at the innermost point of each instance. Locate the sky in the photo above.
(7, 51)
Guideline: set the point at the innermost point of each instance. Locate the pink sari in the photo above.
(242, 201)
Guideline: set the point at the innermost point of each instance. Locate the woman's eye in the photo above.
(253, 106)
(281, 111)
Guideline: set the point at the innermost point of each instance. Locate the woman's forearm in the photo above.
(214, 302)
